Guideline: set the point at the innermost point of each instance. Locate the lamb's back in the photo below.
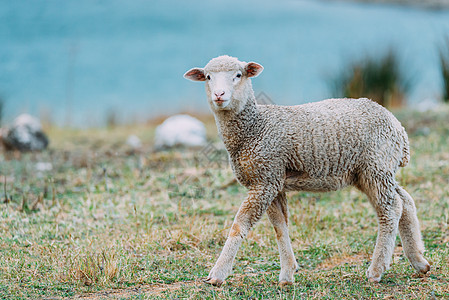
(336, 137)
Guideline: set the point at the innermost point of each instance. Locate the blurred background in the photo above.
(81, 63)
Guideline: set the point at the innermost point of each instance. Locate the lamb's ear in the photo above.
(253, 69)
(195, 74)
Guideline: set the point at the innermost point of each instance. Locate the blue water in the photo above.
(75, 60)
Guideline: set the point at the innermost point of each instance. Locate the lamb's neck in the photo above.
(234, 128)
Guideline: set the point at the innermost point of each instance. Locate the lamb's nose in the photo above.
(219, 94)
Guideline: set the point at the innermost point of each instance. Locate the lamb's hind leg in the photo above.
(410, 233)
(382, 194)
(278, 215)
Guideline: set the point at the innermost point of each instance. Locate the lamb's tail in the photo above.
(405, 150)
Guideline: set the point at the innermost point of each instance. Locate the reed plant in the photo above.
(444, 68)
(379, 78)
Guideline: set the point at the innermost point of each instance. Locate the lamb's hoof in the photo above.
(374, 279)
(213, 281)
(285, 283)
(373, 276)
(422, 267)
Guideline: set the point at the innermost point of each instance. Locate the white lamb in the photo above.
(323, 146)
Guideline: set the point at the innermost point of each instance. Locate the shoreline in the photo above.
(422, 4)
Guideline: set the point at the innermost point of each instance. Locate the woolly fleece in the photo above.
(318, 147)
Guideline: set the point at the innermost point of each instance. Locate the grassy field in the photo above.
(104, 221)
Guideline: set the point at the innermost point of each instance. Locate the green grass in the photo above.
(109, 221)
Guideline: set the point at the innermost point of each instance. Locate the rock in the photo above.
(134, 142)
(25, 135)
(44, 166)
(180, 130)
(428, 104)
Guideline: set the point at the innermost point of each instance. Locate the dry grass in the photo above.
(109, 222)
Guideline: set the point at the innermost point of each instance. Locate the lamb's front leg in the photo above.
(249, 213)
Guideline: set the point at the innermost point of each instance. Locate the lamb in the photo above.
(317, 147)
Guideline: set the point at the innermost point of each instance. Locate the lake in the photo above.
(78, 60)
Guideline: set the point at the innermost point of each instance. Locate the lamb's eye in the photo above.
(208, 77)
(239, 75)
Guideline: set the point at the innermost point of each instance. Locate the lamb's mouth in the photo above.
(220, 102)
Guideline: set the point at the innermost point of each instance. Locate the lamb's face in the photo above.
(220, 86)
(227, 81)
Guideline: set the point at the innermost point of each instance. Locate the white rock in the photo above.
(134, 142)
(25, 134)
(26, 120)
(428, 104)
(180, 130)
(43, 166)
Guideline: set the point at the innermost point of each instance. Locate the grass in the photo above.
(107, 221)
(378, 78)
